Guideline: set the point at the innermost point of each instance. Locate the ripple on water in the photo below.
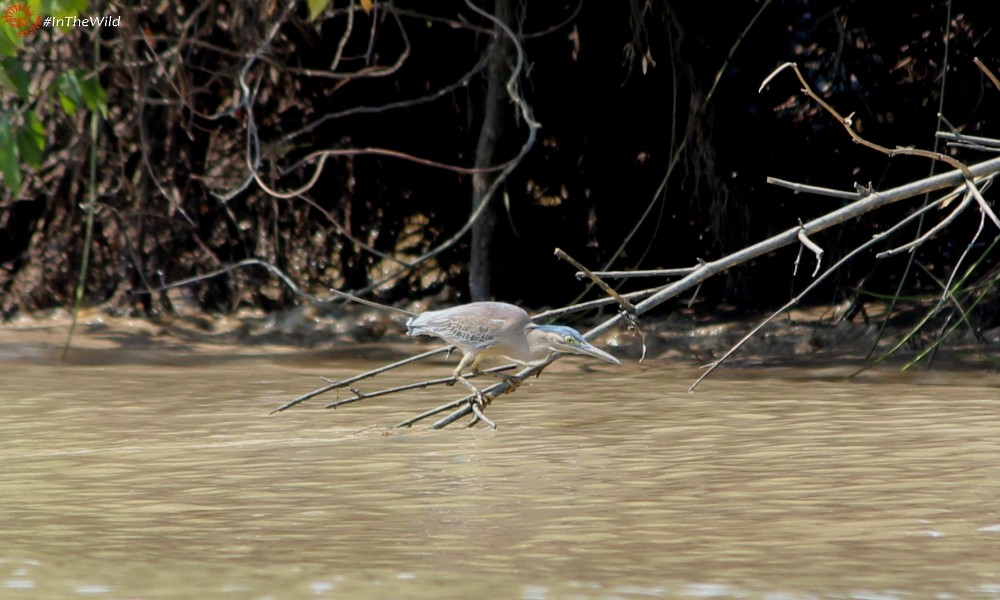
(607, 483)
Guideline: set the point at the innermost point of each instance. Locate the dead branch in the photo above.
(625, 308)
(799, 188)
(992, 77)
(944, 223)
(813, 246)
(968, 175)
(346, 382)
(972, 142)
(848, 124)
(639, 273)
(449, 381)
(816, 281)
(983, 171)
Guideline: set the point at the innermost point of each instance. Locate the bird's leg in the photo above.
(480, 398)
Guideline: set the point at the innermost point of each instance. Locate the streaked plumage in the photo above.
(487, 329)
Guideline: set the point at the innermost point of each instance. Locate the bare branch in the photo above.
(816, 281)
(848, 125)
(607, 289)
(966, 201)
(983, 206)
(410, 386)
(625, 308)
(989, 74)
(812, 189)
(808, 243)
(846, 213)
(343, 38)
(639, 273)
(970, 141)
(346, 382)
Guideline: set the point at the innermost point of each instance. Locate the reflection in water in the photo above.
(139, 480)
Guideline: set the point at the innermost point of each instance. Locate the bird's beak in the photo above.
(590, 350)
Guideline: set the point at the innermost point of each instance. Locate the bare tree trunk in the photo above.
(496, 105)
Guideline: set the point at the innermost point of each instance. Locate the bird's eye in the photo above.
(569, 340)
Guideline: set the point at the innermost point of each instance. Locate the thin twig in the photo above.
(639, 273)
(801, 188)
(430, 413)
(848, 124)
(989, 74)
(983, 206)
(816, 281)
(970, 141)
(624, 303)
(930, 233)
(346, 382)
(343, 38)
(626, 308)
(412, 386)
(583, 306)
(813, 246)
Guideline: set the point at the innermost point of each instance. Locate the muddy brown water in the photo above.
(145, 472)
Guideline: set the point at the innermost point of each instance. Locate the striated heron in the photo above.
(497, 329)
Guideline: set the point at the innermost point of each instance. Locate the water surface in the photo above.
(143, 473)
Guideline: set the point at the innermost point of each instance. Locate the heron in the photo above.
(497, 329)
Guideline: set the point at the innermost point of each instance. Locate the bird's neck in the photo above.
(538, 347)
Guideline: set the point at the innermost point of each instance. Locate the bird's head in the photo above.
(547, 339)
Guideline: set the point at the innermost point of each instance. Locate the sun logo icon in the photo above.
(17, 15)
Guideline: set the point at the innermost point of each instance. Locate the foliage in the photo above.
(22, 132)
(653, 150)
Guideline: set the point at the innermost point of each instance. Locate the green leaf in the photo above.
(31, 140)
(5, 80)
(10, 164)
(316, 8)
(70, 93)
(9, 42)
(95, 96)
(67, 104)
(74, 93)
(12, 76)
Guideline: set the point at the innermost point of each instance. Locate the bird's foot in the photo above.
(477, 402)
(512, 382)
(477, 394)
(479, 399)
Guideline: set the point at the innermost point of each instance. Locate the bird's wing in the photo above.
(476, 332)
(469, 324)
